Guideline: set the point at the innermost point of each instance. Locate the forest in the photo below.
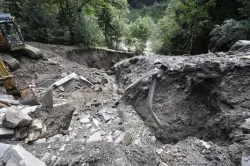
(169, 27)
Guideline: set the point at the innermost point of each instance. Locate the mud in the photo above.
(203, 100)
(200, 96)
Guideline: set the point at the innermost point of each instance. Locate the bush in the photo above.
(225, 35)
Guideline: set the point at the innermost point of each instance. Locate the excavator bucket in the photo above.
(28, 97)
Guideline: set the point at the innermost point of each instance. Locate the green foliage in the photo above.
(87, 30)
(224, 36)
(155, 11)
(141, 30)
(112, 18)
(71, 22)
(245, 9)
(165, 29)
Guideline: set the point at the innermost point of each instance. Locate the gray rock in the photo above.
(246, 126)
(162, 164)
(46, 158)
(85, 119)
(61, 88)
(120, 162)
(96, 123)
(105, 116)
(117, 133)
(95, 137)
(16, 118)
(6, 133)
(124, 138)
(17, 155)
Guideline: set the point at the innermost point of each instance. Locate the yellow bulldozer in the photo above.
(12, 44)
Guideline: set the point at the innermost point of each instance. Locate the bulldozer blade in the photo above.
(28, 97)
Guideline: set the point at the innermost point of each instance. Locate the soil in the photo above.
(203, 99)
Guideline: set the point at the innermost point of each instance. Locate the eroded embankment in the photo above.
(204, 96)
(97, 58)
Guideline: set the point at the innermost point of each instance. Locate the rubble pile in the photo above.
(202, 99)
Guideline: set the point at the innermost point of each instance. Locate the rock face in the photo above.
(205, 96)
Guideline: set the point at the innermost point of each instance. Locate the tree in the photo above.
(111, 16)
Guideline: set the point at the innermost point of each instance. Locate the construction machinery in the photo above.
(12, 44)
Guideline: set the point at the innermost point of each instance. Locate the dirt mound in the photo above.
(203, 96)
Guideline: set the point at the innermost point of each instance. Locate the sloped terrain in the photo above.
(203, 100)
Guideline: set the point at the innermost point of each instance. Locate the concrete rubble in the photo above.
(17, 156)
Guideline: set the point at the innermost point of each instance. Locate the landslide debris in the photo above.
(203, 99)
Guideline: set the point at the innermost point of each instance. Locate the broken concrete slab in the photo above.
(95, 137)
(17, 155)
(6, 133)
(14, 119)
(124, 138)
(65, 79)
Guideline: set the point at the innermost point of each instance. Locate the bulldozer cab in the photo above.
(10, 36)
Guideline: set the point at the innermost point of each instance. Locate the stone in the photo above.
(85, 119)
(124, 138)
(6, 133)
(117, 133)
(46, 158)
(239, 44)
(246, 126)
(162, 164)
(17, 155)
(96, 123)
(105, 116)
(13, 119)
(120, 162)
(159, 151)
(95, 137)
(40, 141)
(61, 88)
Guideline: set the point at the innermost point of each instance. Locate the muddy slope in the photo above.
(204, 96)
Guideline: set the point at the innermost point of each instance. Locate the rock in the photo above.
(162, 164)
(46, 158)
(246, 126)
(97, 88)
(85, 119)
(61, 88)
(56, 120)
(117, 133)
(159, 151)
(96, 122)
(95, 137)
(105, 116)
(245, 160)
(40, 141)
(63, 75)
(17, 155)
(124, 138)
(6, 133)
(239, 44)
(13, 119)
(120, 162)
